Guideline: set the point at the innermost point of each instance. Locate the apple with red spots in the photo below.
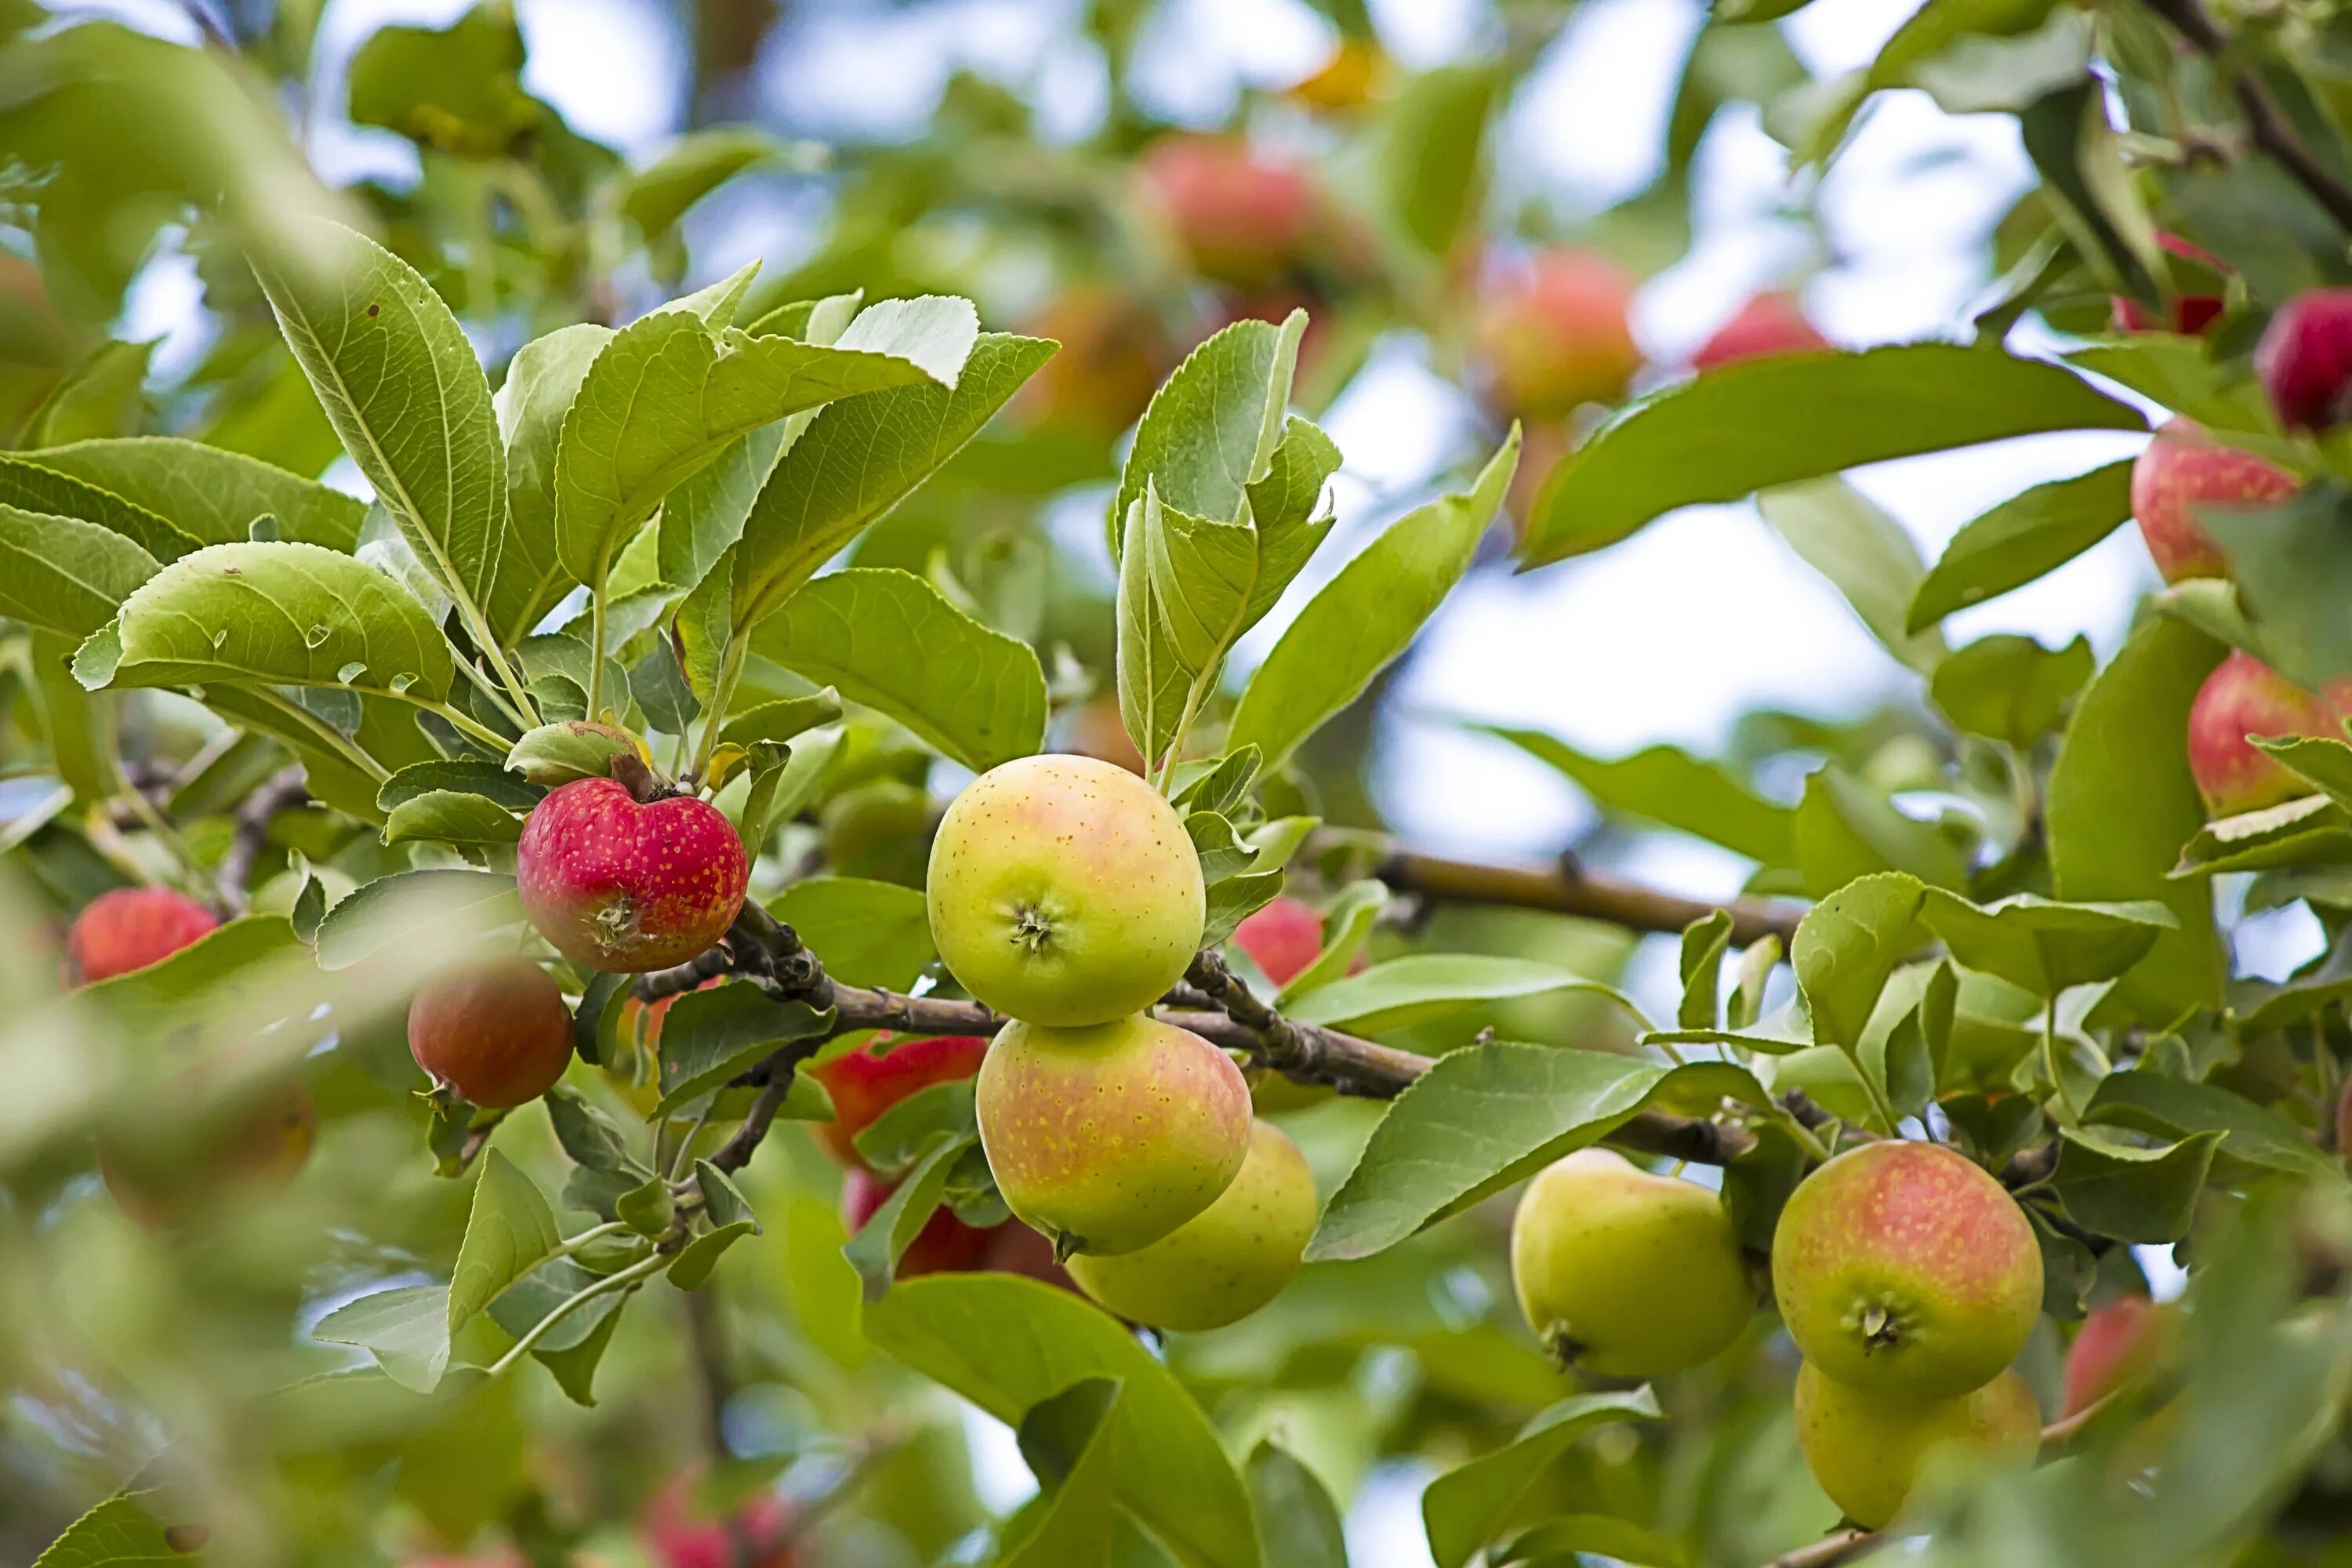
(2245, 697)
(870, 1080)
(131, 928)
(496, 1033)
(625, 884)
(1903, 1269)
(2183, 470)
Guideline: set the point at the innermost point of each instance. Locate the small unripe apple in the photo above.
(758, 1534)
(2189, 314)
(1553, 335)
(944, 1246)
(1625, 1273)
(496, 1032)
(1867, 1450)
(131, 928)
(2245, 697)
(2118, 1345)
(627, 887)
(1769, 323)
(1109, 1136)
(1226, 1261)
(1064, 891)
(160, 1181)
(877, 1075)
(2305, 359)
(1903, 1268)
(1241, 215)
(2183, 469)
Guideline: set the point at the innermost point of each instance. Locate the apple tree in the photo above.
(658, 912)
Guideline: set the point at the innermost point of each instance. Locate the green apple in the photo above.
(1226, 1261)
(1625, 1273)
(1868, 1450)
(1903, 1268)
(1064, 891)
(1108, 1137)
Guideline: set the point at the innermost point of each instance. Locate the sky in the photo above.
(1667, 638)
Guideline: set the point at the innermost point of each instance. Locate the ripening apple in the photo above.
(1868, 1450)
(877, 1075)
(1109, 1136)
(626, 886)
(2119, 1346)
(1903, 1268)
(944, 1246)
(1625, 1273)
(495, 1032)
(2305, 359)
(1552, 334)
(1240, 215)
(1769, 323)
(1064, 891)
(131, 928)
(2245, 697)
(1226, 1261)
(2183, 469)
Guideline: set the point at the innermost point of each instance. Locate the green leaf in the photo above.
(509, 1232)
(1366, 616)
(867, 933)
(2183, 374)
(401, 385)
(857, 460)
(574, 1347)
(2042, 945)
(2326, 761)
(1425, 986)
(891, 640)
(1848, 944)
(64, 574)
(1864, 553)
(710, 1036)
(1670, 787)
(2121, 804)
(406, 904)
(103, 394)
(1704, 942)
(1069, 1442)
(222, 955)
(207, 493)
(1433, 167)
(884, 1238)
(1487, 1116)
(1007, 1344)
(573, 749)
(2165, 1107)
(473, 776)
(2025, 537)
(655, 196)
(730, 1221)
(1845, 829)
(2011, 688)
(406, 1330)
(290, 615)
(660, 688)
(1559, 1542)
(457, 89)
(1468, 1506)
(540, 383)
(907, 1130)
(781, 719)
(124, 1532)
(1772, 421)
(1347, 926)
(2310, 831)
(26, 484)
(1212, 428)
(665, 396)
(2292, 563)
(2142, 1195)
(1297, 1522)
(587, 1135)
(451, 816)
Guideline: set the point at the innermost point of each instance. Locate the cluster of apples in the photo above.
(2304, 361)
(1908, 1276)
(1064, 893)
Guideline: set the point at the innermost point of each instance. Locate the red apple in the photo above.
(2189, 315)
(496, 1032)
(944, 1246)
(758, 1534)
(2305, 359)
(624, 886)
(1552, 333)
(2184, 468)
(2244, 697)
(1282, 939)
(1243, 215)
(1769, 323)
(2116, 1346)
(870, 1080)
(132, 928)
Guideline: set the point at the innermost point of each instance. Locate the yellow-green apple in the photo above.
(1868, 1450)
(496, 1032)
(624, 885)
(2182, 469)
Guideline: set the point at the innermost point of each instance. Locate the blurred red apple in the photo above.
(1770, 323)
(1552, 334)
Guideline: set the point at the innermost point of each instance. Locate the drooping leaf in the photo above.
(2027, 536)
(451, 816)
(883, 1240)
(31, 487)
(2292, 563)
(1297, 1520)
(405, 1329)
(542, 382)
(1776, 420)
(1468, 1506)
(730, 1221)
(2166, 1106)
(2044, 945)
(508, 1232)
(1864, 553)
(709, 1037)
(2115, 1188)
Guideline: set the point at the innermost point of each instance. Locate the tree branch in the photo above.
(1842, 1547)
(1568, 889)
(280, 790)
(2264, 121)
